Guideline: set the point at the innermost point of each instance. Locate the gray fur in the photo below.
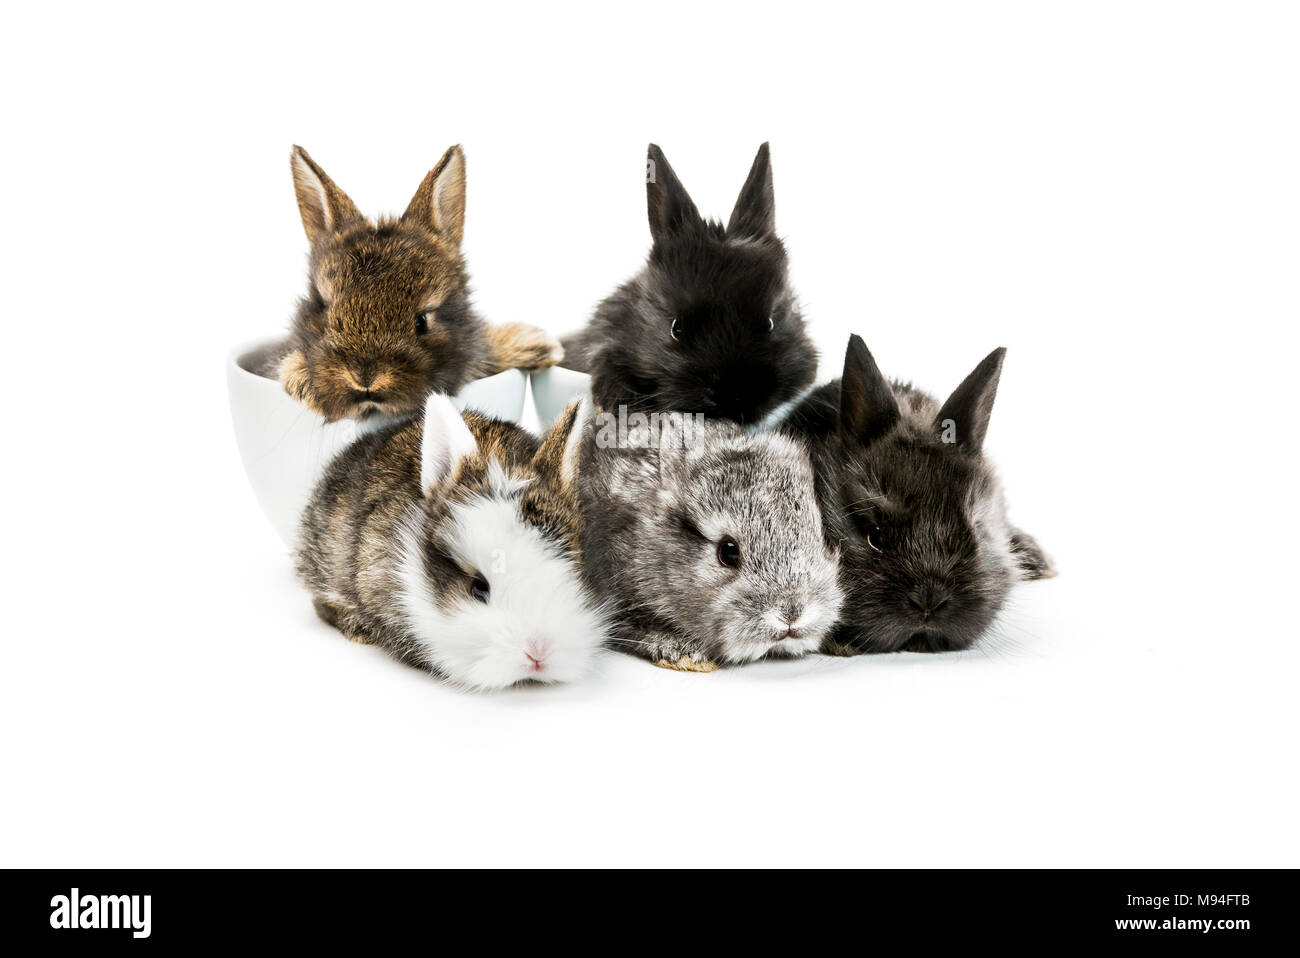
(653, 518)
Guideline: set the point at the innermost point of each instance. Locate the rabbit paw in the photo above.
(688, 663)
(832, 647)
(295, 378)
(668, 650)
(520, 346)
(1030, 557)
(331, 614)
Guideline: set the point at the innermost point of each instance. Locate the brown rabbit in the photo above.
(387, 317)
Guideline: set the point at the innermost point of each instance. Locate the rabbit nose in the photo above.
(362, 371)
(929, 600)
(536, 650)
(728, 394)
(789, 620)
(730, 389)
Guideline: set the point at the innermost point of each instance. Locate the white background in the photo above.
(1112, 190)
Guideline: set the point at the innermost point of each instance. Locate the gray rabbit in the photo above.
(708, 543)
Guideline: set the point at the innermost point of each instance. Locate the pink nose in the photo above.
(537, 650)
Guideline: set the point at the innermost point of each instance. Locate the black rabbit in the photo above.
(710, 325)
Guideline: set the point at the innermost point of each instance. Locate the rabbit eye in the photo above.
(480, 589)
(873, 538)
(771, 322)
(676, 329)
(422, 321)
(729, 553)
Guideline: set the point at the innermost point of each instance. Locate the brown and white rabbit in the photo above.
(451, 542)
(387, 317)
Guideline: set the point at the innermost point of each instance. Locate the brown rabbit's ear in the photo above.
(562, 446)
(964, 418)
(868, 408)
(323, 206)
(755, 210)
(439, 203)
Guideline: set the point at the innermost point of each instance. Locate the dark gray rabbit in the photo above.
(927, 555)
(710, 325)
(707, 542)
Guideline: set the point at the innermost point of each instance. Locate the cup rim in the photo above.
(251, 346)
(248, 347)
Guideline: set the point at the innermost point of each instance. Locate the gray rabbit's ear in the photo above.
(439, 203)
(868, 409)
(964, 418)
(755, 211)
(669, 206)
(445, 444)
(323, 206)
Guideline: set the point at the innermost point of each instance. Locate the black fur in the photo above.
(723, 286)
(927, 557)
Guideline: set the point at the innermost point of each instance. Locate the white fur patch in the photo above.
(537, 623)
(502, 483)
(808, 618)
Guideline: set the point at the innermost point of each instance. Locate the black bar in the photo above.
(300, 907)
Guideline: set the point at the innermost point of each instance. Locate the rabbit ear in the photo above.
(964, 418)
(439, 203)
(667, 202)
(322, 205)
(562, 446)
(447, 441)
(868, 408)
(755, 211)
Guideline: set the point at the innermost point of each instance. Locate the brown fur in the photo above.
(387, 318)
(520, 346)
(348, 549)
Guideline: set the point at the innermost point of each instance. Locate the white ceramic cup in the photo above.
(286, 447)
(553, 389)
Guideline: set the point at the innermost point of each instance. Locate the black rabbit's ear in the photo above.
(755, 212)
(964, 418)
(667, 202)
(323, 206)
(868, 409)
(439, 203)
